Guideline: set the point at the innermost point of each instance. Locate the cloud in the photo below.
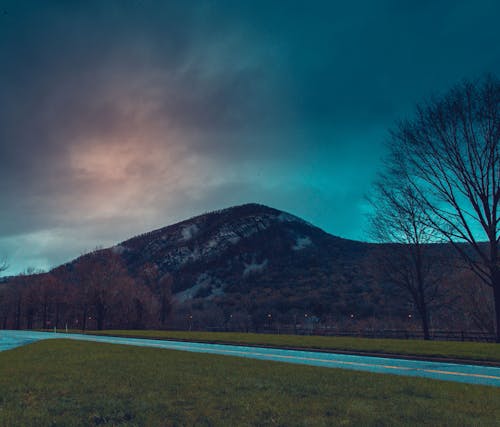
(118, 117)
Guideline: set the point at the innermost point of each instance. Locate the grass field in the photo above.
(453, 349)
(72, 383)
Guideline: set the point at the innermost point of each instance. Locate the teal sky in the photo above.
(118, 117)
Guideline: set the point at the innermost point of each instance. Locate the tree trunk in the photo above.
(100, 313)
(57, 316)
(423, 313)
(139, 314)
(29, 319)
(421, 299)
(496, 297)
(18, 314)
(164, 309)
(84, 319)
(425, 324)
(44, 316)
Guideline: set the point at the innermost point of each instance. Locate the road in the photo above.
(471, 374)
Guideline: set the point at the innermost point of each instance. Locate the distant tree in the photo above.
(6, 307)
(134, 305)
(78, 285)
(449, 155)
(476, 302)
(52, 297)
(164, 290)
(26, 298)
(31, 302)
(3, 298)
(409, 262)
(103, 279)
(17, 297)
(161, 288)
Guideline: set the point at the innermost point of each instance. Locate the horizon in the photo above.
(121, 117)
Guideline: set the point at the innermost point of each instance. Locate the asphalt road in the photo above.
(471, 374)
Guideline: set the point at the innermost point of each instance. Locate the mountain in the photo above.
(249, 264)
(241, 250)
(250, 259)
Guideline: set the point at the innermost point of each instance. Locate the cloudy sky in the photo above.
(118, 117)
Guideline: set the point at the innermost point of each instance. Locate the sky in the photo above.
(120, 117)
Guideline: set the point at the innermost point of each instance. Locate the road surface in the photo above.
(472, 374)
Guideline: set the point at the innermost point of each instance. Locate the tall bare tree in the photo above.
(409, 263)
(449, 154)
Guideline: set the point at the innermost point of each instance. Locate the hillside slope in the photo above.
(249, 265)
(252, 253)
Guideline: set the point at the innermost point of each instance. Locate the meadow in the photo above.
(72, 383)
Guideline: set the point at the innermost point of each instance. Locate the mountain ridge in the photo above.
(246, 263)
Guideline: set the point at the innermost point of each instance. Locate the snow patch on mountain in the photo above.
(189, 231)
(204, 281)
(188, 293)
(220, 241)
(217, 292)
(302, 243)
(212, 243)
(234, 240)
(254, 267)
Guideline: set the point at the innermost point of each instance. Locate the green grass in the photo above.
(453, 349)
(72, 383)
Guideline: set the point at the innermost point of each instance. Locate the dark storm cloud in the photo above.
(120, 116)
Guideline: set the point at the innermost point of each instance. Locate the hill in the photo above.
(245, 267)
(249, 250)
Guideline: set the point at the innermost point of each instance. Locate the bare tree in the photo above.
(409, 263)
(476, 302)
(449, 154)
(105, 282)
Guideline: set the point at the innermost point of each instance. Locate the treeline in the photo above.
(96, 291)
